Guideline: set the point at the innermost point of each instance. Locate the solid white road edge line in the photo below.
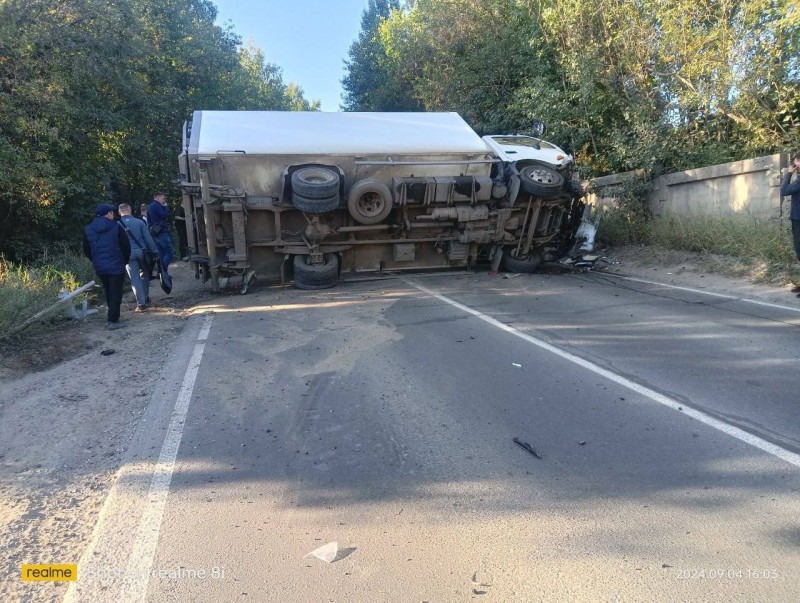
(144, 548)
(136, 578)
(744, 436)
(691, 290)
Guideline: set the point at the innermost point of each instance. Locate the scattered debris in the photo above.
(582, 443)
(331, 553)
(585, 261)
(73, 397)
(107, 352)
(481, 581)
(326, 553)
(516, 364)
(70, 311)
(511, 274)
(527, 447)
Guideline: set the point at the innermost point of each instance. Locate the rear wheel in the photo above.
(523, 265)
(316, 276)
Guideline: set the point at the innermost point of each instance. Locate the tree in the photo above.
(371, 82)
(259, 85)
(669, 84)
(627, 84)
(88, 115)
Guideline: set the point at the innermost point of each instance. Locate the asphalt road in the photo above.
(666, 427)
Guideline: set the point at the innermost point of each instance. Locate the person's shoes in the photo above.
(140, 309)
(113, 326)
(147, 300)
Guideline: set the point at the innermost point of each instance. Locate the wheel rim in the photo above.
(543, 176)
(370, 204)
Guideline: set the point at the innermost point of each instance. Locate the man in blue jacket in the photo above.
(789, 188)
(138, 271)
(158, 221)
(106, 244)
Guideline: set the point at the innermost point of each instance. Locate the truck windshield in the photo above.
(523, 141)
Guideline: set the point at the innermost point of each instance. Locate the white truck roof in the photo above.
(315, 132)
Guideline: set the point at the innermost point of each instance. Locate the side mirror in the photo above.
(538, 128)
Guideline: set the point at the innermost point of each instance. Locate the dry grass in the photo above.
(26, 290)
(736, 245)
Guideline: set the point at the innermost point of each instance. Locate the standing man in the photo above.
(143, 212)
(138, 270)
(789, 188)
(158, 221)
(106, 244)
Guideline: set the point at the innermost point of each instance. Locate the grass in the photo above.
(733, 244)
(26, 290)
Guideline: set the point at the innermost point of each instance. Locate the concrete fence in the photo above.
(750, 187)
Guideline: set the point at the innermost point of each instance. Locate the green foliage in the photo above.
(92, 98)
(653, 85)
(259, 85)
(372, 82)
(457, 56)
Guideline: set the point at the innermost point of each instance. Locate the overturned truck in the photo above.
(314, 197)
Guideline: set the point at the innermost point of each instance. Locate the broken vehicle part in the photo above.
(526, 446)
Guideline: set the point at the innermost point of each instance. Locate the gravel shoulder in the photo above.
(68, 408)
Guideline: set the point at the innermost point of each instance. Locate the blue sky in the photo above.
(308, 39)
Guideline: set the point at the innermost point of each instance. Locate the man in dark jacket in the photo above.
(107, 245)
(158, 221)
(789, 188)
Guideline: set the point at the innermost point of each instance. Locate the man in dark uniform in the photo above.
(789, 188)
(158, 218)
(107, 245)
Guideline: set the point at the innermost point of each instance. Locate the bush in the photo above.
(26, 290)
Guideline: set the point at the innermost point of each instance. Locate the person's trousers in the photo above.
(139, 283)
(183, 243)
(796, 237)
(164, 244)
(112, 286)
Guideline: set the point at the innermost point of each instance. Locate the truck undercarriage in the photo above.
(316, 218)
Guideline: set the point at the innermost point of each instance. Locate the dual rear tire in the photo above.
(316, 276)
(315, 190)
